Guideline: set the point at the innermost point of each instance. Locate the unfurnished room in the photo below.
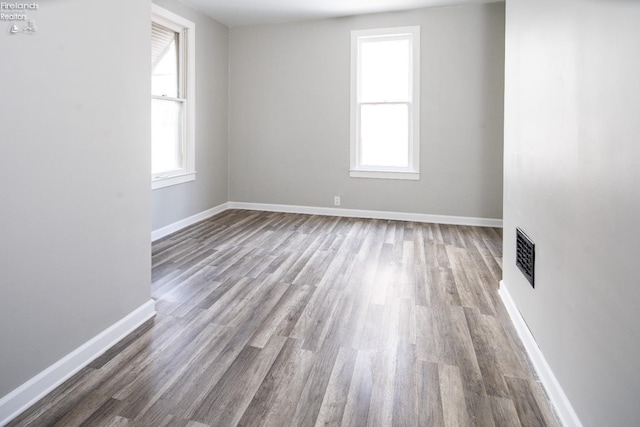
(320, 213)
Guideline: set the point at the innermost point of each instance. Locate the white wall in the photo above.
(572, 182)
(289, 114)
(74, 187)
(210, 189)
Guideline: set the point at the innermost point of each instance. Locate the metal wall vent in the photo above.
(525, 255)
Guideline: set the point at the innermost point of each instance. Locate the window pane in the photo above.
(166, 136)
(164, 61)
(385, 135)
(384, 70)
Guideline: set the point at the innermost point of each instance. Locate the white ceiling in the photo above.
(234, 13)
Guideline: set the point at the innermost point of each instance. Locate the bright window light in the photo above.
(385, 103)
(172, 99)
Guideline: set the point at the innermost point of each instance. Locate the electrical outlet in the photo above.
(336, 201)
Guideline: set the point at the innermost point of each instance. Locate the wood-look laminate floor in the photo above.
(295, 320)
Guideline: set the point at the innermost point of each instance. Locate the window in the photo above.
(172, 99)
(385, 103)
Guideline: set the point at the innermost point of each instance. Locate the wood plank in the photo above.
(504, 412)
(475, 394)
(356, 409)
(405, 402)
(230, 397)
(483, 339)
(454, 406)
(337, 391)
(381, 408)
(315, 389)
(527, 407)
(275, 402)
(429, 395)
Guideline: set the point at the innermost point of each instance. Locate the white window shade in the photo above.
(165, 61)
(161, 39)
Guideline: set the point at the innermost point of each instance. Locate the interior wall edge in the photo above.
(559, 399)
(183, 223)
(23, 397)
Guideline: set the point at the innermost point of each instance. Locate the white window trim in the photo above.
(413, 171)
(187, 29)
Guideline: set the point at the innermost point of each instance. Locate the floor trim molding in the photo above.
(179, 225)
(359, 213)
(559, 399)
(37, 387)
(313, 210)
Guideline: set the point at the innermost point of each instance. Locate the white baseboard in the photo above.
(559, 399)
(39, 386)
(358, 213)
(313, 210)
(176, 226)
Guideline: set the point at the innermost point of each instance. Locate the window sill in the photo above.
(411, 176)
(161, 182)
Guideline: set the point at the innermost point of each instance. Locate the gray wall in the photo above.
(572, 182)
(210, 189)
(74, 193)
(289, 114)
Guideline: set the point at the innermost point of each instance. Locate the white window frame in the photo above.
(187, 49)
(357, 170)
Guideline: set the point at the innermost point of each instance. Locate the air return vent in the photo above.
(525, 255)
